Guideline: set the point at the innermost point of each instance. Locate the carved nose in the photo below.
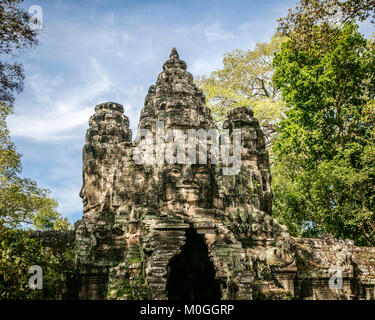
(81, 193)
(188, 177)
(187, 181)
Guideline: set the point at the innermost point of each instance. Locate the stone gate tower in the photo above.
(183, 231)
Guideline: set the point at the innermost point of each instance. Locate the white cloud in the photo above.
(216, 33)
(126, 36)
(70, 204)
(53, 112)
(205, 65)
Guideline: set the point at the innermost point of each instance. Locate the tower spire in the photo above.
(174, 54)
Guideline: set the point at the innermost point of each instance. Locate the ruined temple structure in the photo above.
(187, 231)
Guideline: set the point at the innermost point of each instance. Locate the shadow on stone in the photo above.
(191, 275)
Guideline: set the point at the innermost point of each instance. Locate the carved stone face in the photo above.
(176, 115)
(89, 198)
(188, 184)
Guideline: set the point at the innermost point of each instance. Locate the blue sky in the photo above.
(96, 51)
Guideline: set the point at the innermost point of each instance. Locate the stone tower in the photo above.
(163, 230)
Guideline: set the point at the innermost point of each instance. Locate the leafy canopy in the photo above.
(15, 35)
(22, 202)
(18, 252)
(246, 79)
(324, 159)
(330, 15)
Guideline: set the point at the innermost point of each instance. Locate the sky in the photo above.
(96, 51)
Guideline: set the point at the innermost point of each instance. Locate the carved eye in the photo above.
(174, 171)
(201, 171)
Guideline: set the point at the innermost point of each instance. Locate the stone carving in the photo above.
(144, 224)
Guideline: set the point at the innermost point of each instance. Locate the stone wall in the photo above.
(62, 239)
(319, 259)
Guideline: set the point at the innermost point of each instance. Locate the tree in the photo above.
(15, 35)
(23, 206)
(329, 15)
(324, 159)
(246, 79)
(22, 202)
(18, 252)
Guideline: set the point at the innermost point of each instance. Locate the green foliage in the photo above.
(48, 218)
(131, 285)
(135, 289)
(246, 79)
(18, 252)
(330, 15)
(22, 202)
(15, 35)
(324, 160)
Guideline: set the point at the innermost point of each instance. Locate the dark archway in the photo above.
(191, 275)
